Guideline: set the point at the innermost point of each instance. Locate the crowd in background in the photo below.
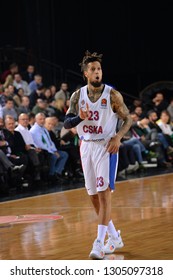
(35, 147)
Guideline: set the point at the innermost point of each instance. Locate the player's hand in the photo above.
(113, 145)
(84, 113)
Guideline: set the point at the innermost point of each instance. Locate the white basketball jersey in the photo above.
(102, 121)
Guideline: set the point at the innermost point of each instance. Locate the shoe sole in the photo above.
(94, 256)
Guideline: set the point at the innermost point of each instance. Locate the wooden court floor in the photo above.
(142, 210)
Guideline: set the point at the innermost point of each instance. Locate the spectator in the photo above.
(16, 145)
(69, 143)
(63, 92)
(8, 165)
(38, 93)
(40, 107)
(19, 83)
(127, 160)
(164, 124)
(36, 83)
(153, 117)
(159, 103)
(4, 96)
(53, 90)
(7, 75)
(34, 153)
(29, 73)
(135, 103)
(5, 151)
(48, 95)
(170, 110)
(24, 106)
(42, 139)
(31, 116)
(9, 109)
(61, 109)
(18, 97)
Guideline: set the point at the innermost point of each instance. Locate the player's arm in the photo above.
(119, 107)
(72, 118)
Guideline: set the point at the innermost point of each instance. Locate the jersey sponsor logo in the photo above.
(103, 103)
(93, 129)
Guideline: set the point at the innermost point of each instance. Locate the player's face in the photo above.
(94, 74)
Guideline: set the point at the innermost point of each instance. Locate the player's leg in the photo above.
(114, 240)
(102, 202)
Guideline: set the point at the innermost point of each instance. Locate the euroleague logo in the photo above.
(104, 103)
(23, 219)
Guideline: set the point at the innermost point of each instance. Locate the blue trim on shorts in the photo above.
(112, 167)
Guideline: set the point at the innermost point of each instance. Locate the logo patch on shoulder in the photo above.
(104, 103)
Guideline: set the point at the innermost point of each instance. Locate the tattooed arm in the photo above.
(72, 119)
(119, 107)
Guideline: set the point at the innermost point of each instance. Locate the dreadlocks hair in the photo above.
(89, 57)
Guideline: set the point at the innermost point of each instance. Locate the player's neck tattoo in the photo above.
(95, 93)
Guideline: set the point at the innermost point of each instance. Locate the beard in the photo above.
(96, 84)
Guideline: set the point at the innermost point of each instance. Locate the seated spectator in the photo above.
(164, 124)
(50, 124)
(48, 95)
(4, 96)
(36, 83)
(135, 103)
(139, 111)
(170, 110)
(10, 174)
(42, 140)
(5, 150)
(36, 94)
(34, 154)
(16, 144)
(8, 165)
(159, 103)
(51, 109)
(12, 90)
(127, 160)
(19, 83)
(9, 108)
(69, 143)
(29, 73)
(7, 75)
(31, 120)
(18, 97)
(53, 90)
(15, 149)
(40, 107)
(63, 92)
(24, 106)
(61, 109)
(153, 117)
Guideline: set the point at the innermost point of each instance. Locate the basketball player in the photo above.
(94, 110)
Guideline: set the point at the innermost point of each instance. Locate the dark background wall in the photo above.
(135, 37)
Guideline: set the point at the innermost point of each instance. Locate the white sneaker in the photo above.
(113, 243)
(97, 251)
(132, 167)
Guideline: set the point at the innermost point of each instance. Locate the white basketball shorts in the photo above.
(99, 166)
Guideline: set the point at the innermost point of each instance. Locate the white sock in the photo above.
(111, 229)
(101, 233)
